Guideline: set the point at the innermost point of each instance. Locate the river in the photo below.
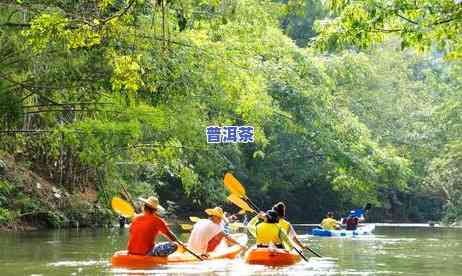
(391, 251)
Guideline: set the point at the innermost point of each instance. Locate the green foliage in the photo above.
(126, 74)
(10, 108)
(26, 204)
(189, 180)
(128, 89)
(428, 85)
(5, 216)
(5, 193)
(55, 219)
(300, 19)
(418, 24)
(47, 30)
(445, 175)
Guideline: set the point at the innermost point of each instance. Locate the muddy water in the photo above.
(391, 251)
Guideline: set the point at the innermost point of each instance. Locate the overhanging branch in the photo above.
(406, 19)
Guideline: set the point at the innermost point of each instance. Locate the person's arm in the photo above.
(131, 224)
(293, 236)
(233, 241)
(169, 234)
(359, 221)
(252, 225)
(164, 230)
(338, 224)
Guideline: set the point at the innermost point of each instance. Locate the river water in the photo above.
(391, 251)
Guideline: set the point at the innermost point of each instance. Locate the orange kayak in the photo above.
(271, 257)
(223, 251)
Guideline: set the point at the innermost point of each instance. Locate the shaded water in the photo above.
(391, 251)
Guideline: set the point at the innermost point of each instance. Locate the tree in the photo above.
(445, 175)
(420, 24)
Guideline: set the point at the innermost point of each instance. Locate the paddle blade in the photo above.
(122, 207)
(239, 202)
(186, 227)
(194, 219)
(233, 185)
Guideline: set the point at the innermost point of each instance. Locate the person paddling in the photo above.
(266, 230)
(208, 233)
(280, 209)
(146, 227)
(352, 221)
(356, 216)
(329, 223)
(361, 213)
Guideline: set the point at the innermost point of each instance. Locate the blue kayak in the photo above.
(361, 231)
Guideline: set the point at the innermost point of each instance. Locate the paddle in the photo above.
(241, 200)
(128, 196)
(194, 219)
(122, 207)
(360, 211)
(189, 250)
(186, 227)
(243, 205)
(235, 187)
(238, 201)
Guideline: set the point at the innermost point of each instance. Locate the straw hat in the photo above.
(152, 202)
(217, 212)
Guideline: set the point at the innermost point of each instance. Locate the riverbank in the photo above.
(29, 201)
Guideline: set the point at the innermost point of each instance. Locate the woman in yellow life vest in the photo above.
(329, 223)
(280, 209)
(266, 230)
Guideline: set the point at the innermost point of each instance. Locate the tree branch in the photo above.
(25, 130)
(66, 104)
(124, 11)
(446, 20)
(67, 110)
(406, 19)
(385, 30)
(16, 25)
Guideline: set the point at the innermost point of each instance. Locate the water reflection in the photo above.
(392, 251)
(315, 266)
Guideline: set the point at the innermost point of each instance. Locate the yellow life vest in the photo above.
(267, 233)
(329, 224)
(285, 225)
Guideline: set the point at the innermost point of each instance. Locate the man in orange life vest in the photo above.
(144, 229)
